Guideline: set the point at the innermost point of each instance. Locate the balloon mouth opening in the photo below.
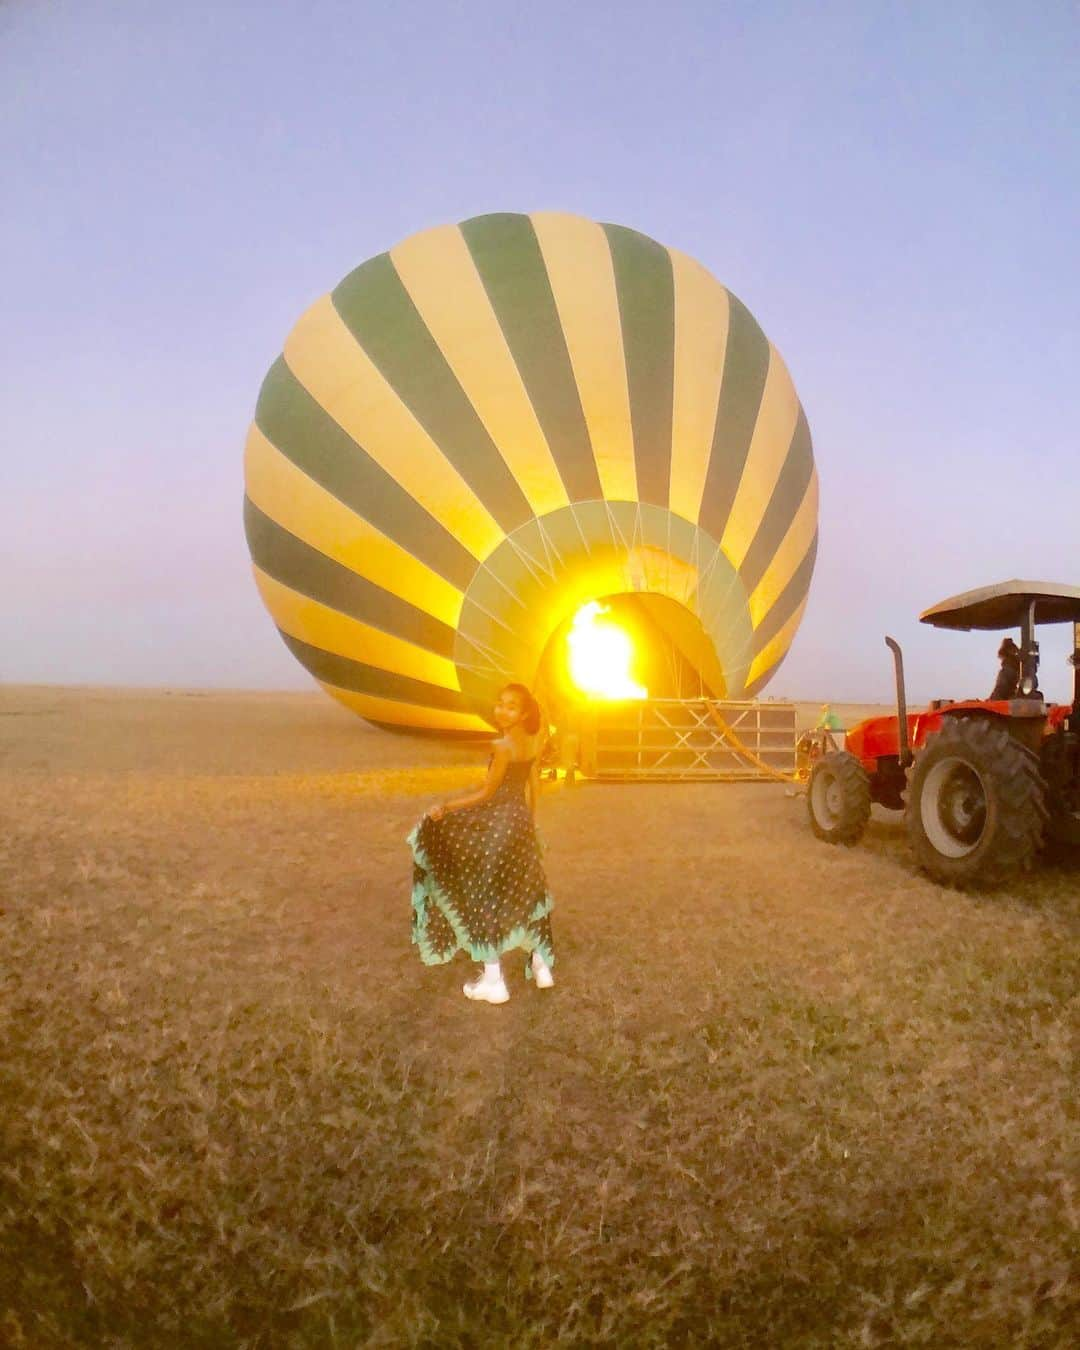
(629, 646)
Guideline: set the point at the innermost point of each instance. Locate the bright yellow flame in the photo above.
(600, 655)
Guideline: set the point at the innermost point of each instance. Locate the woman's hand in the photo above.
(437, 812)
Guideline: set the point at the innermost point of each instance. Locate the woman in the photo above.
(478, 885)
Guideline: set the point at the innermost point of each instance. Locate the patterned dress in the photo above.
(478, 884)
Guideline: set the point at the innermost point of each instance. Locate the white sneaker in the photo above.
(483, 990)
(541, 972)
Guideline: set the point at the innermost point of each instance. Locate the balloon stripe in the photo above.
(301, 507)
(768, 450)
(507, 257)
(361, 678)
(332, 631)
(788, 555)
(786, 498)
(306, 434)
(380, 314)
(701, 330)
(771, 654)
(752, 690)
(646, 293)
(578, 261)
(337, 373)
(746, 364)
(721, 606)
(293, 563)
(787, 601)
(386, 712)
(438, 272)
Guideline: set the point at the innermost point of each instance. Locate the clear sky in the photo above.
(893, 190)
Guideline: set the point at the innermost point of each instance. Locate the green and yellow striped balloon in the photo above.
(497, 421)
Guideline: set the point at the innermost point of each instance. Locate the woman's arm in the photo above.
(534, 786)
(496, 772)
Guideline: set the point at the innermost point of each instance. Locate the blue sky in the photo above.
(893, 190)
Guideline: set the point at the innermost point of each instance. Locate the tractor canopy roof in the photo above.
(1006, 605)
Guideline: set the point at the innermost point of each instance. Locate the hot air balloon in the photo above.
(496, 423)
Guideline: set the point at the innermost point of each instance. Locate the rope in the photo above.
(744, 750)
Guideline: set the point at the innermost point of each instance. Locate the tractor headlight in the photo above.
(1027, 686)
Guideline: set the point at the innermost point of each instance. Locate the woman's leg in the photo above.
(490, 987)
(545, 943)
(541, 972)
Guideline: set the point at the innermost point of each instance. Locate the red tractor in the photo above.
(984, 783)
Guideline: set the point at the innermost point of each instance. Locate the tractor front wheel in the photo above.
(976, 810)
(838, 798)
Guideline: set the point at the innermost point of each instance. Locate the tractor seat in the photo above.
(936, 703)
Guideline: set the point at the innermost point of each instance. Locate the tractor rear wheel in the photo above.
(976, 808)
(1061, 772)
(838, 798)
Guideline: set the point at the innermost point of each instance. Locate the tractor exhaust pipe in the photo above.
(906, 757)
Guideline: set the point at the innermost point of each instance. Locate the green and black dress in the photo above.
(478, 884)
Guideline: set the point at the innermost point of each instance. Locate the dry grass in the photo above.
(781, 1095)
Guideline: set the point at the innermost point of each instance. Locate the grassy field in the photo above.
(781, 1094)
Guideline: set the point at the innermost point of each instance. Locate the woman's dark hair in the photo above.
(529, 706)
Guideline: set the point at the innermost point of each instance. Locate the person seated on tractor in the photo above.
(1008, 679)
(828, 732)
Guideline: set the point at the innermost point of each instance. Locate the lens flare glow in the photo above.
(599, 656)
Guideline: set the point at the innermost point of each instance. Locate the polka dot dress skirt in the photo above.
(478, 886)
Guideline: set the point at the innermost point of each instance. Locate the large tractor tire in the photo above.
(1062, 777)
(976, 809)
(838, 798)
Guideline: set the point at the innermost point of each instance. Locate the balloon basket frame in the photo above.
(703, 740)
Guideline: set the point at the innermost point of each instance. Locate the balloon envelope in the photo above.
(496, 422)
